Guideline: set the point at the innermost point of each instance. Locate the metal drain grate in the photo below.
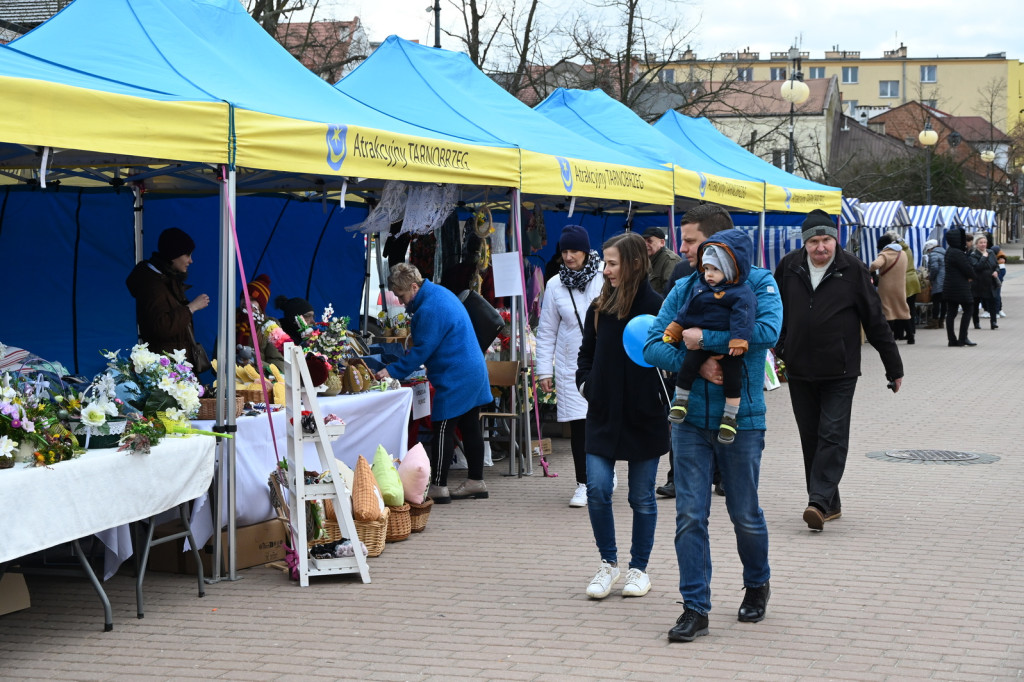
(932, 455)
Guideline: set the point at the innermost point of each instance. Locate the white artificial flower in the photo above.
(173, 413)
(109, 407)
(143, 358)
(93, 414)
(178, 355)
(7, 445)
(328, 313)
(112, 355)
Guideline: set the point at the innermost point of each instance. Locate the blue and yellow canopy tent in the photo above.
(184, 93)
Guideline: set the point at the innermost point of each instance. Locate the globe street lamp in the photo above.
(928, 138)
(794, 91)
(988, 156)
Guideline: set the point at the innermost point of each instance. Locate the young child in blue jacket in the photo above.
(719, 301)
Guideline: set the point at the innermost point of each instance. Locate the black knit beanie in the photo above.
(174, 243)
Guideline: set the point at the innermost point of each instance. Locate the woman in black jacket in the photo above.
(985, 267)
(957, 286)
(626, 409)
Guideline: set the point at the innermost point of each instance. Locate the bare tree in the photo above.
(271, 13)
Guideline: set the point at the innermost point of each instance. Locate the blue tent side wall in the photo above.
(67, 254)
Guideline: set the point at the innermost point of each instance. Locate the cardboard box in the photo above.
(257, 544)
(13, 593)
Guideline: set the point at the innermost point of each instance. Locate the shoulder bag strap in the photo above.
(575, 309)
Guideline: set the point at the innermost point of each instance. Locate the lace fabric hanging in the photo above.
(392, 207)
(428, 206)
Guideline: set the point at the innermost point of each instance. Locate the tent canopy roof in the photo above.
(784, 191)
(598, 117)
(447, 92)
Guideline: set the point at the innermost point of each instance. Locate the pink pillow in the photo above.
(415, 474)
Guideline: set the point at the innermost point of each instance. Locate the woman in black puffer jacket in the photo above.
(956, 288)
(984, 263)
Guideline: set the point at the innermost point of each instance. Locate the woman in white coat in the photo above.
(560, 334)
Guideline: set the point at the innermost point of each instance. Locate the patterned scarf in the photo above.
(579, 279)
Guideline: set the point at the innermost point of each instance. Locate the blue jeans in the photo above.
(642, 479)
(696, 452)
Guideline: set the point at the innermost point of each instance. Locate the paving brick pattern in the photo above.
(921, 579)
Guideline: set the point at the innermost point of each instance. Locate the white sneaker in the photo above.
(579, 498)
(601, 586)
(637, 583)
(1002, 313)
(615, 480)
(983, 314)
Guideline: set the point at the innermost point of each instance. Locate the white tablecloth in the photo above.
(371, 419)
(99, 491)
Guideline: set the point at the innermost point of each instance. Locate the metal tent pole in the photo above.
(519, 315)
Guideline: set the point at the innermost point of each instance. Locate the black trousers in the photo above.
(822, 411)
(965, 321)
(732, 371)
(443, 446)
(578, 440)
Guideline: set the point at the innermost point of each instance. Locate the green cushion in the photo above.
(387, 478)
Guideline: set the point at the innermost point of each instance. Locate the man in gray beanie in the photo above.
(820, 345)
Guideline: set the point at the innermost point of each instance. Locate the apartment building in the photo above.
(991, 86)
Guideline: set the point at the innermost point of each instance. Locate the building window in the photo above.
(850, 74)
(928, 74)
(667, 76)
(746, 74)
(778, 73)
(779, 158)
(933, 103)
(888, 88)
(817, 72)
(851, 107)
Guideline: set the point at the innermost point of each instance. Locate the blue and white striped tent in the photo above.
(879, 218)
(988, 219)
(852, 215)
(926, 222)
(967, 218)
(950, 217)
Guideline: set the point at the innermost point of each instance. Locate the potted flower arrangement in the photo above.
(395, 325)
(156, 385)
(328, 340)
(30, 427)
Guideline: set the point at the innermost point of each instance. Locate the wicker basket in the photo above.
(332, 533)
(374, 534)
(418, 515)
(399, 523)
(208, 408)
(254, 395)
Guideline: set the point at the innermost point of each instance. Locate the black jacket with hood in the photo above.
(956, 288)
(820, 337)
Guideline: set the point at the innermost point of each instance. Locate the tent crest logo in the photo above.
(789, 196)
(337, 147)
(566, 168)
(703, 183)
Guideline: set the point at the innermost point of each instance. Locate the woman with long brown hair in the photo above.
(626, 408)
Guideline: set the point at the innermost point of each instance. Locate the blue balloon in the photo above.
(634, 336)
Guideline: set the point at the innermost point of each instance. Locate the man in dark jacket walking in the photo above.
(826, 297)
(956, 291)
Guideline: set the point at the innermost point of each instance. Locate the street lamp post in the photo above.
(928, 138)
(988, 156)
(794, 91)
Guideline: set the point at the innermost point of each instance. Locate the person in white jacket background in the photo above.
(559, 335)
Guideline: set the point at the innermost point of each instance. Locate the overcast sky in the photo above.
(946, 28)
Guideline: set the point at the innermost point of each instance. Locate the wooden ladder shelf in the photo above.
(301, 395)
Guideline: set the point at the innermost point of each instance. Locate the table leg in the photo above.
(108, 619)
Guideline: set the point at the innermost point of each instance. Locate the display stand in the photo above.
(301, 395)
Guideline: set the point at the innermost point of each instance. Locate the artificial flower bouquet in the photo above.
(31, 428)
(329, 338)
(152, 383)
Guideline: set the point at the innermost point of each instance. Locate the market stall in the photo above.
(372, 418)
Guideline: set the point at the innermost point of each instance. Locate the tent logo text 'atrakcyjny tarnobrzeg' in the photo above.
(566, 167)
(337, 147)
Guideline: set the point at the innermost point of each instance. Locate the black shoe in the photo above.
(910, 340)
(967, 342)
(953, 344)
(688, 627)
(667, 490)
(719, 490)
(995, 326)
(727, 430)
(755, 601)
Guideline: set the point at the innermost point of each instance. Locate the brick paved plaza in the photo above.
(922, 578)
